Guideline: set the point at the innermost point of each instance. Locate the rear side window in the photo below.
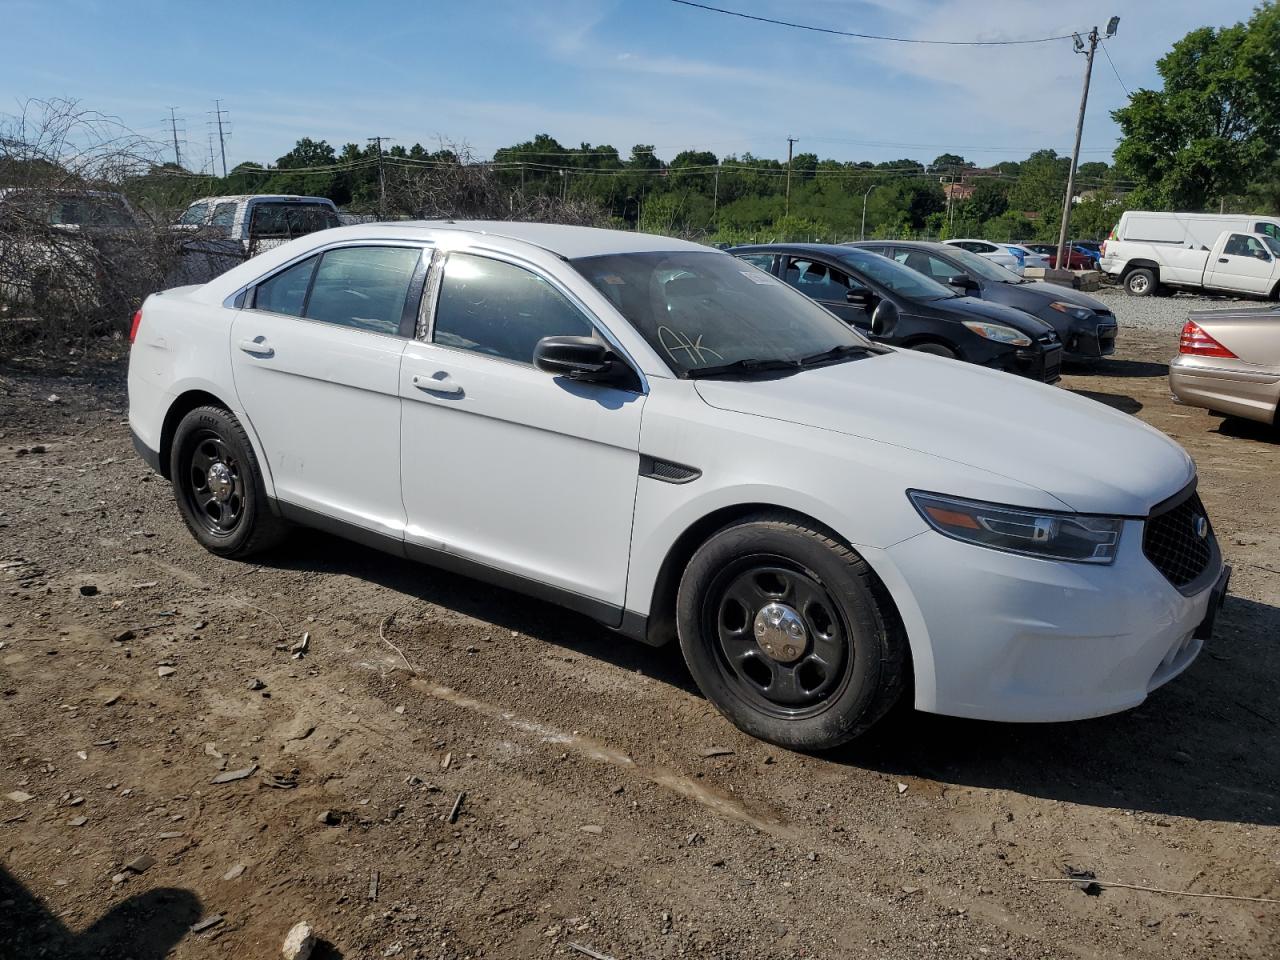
(363, 287)
(286, 292)
(500, 309)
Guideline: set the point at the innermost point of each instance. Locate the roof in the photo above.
(240, 197)
(908, 244)
(830, 249)
(564, 241)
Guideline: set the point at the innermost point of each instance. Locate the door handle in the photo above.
(1223, 260)
(257, 347)
(440, 383)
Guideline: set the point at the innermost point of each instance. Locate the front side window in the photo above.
(290, 219)
(224, 215)
(762, 260)
(501, 310)
(818, 280)
(1268, 230)
(363, 287)
(700, 310)
(194, 215)
(928, 264)
(977, 266)
(898, 278)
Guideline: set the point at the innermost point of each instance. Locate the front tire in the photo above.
(789, 633)
(219, 487)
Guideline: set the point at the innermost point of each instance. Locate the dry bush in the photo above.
(75, 258)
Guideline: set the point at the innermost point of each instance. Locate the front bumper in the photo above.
(996, 636)
(1041, 362)
(1225, 386)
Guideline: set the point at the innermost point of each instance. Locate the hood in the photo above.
(971, 308)
(1092, 458)
(1037, 294)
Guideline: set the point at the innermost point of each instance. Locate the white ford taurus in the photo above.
(665, 438)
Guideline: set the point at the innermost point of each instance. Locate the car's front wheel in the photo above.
(218, 485)
(789, 633)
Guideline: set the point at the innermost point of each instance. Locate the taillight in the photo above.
(1198, 343)
(133, 327)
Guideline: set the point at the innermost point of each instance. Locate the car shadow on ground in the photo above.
(1249, 430)
(313, 551)
(1119, 401)
(146, 926)
(1206, 746)
(1111, 367)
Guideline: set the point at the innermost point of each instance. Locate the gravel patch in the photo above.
(1163, 314)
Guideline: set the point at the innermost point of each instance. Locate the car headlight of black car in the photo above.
(1073, 310)
(1034, 533)
(998, 332)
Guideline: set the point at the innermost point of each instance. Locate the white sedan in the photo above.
(677, 444)
(995, 252)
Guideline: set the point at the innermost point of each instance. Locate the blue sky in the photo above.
(496, 72)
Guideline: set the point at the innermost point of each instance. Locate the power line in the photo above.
(868, 36)
(1114, 70)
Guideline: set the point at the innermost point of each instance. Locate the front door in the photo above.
(1243, 264)
(316, 359)
(504, 466)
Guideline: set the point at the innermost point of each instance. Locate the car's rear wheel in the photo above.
(1140, 282)
(218, 485)
(935, 349)
(789, 633)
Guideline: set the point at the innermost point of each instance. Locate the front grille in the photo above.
(1173, 545)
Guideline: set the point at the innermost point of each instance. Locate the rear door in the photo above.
(316, 359)
(1242, 263)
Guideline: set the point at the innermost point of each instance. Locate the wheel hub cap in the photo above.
(222, 483)
(780, 632)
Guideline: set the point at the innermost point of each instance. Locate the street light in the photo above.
(862, 234)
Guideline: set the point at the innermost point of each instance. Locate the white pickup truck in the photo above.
(1238, 262)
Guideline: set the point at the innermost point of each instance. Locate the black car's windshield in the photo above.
(901, 280)
(704, 311)
(977, 266)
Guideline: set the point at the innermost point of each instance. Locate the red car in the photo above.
(1075, 259)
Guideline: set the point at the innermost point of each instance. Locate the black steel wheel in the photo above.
(789, 633)
(218, 485)
(782, 639)
(214, 484)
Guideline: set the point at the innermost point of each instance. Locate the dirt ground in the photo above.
(605, 803)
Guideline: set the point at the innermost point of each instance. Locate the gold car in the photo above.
(1229, 362)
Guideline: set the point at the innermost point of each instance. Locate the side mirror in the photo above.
(962, 281)
(884, 321)
(578, 358)
(859, 297)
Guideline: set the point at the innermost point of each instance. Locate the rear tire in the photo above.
(1140, 282)
(219, 486)
(936, 350)
(825, 672)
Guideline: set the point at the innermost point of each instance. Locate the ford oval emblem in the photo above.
(1200, 525)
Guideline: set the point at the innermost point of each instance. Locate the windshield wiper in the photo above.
(835, 353)
(749, 365)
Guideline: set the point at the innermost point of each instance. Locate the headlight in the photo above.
(995, 331)
(1035, 533)
(1071, 310)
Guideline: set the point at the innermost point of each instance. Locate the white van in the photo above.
(1196, 230)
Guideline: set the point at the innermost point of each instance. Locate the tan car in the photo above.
(1229, 362)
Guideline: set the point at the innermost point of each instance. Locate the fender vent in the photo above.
(666, 471)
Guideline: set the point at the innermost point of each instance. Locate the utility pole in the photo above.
(715, 194)
(862, 234)
(791, 142)
(382, 179)
(1112, 24)
(222, 139)
(173, 126)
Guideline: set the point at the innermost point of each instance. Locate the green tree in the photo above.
(1212, 128)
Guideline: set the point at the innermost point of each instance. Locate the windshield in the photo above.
(703, 310)
(977, 266)
(901, 280)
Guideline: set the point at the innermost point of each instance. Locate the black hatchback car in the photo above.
(932, 317)
(1086, 326)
